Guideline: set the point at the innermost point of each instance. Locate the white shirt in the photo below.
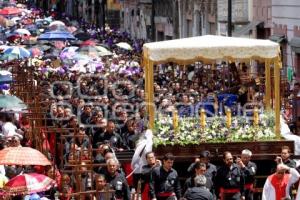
(9, 129)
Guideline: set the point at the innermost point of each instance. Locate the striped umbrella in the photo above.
(56, 35)
(22, 156)
(28, 184)
(16, 52)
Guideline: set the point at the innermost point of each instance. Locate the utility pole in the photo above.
(103, 6)
(153, 21)
(229, 19)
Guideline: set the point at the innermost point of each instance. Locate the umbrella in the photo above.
(56, 35)
(28, 184)
(5, 72)
(15, 19)
(57, 23)
(103, 51)
(5, 79)
(83, 36)
(16, 52)
(10, 11)
(88, 50)
(22, 156)
(22, 31)
(8, 102)
(124, 45)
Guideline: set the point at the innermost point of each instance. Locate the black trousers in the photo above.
(236, 196)
(166, 198)
(248, 195)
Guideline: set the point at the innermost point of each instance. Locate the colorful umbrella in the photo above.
(28, 184)
(124, 45)
(16, 52)
(22, 156)
(56, 35)
(10, 11)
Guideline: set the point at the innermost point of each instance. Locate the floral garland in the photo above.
(189, 130)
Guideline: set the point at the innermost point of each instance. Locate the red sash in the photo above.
(228, 191)
(279, 185)
(145, 193)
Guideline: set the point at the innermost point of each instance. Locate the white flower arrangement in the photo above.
(189, 130)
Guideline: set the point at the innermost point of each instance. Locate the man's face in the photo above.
(110, 127)
(168, 164)
(204, 160)
(245, 158)
(101, 183)
(228, 160)
(112, 167)
(285, 154)
(151, 159)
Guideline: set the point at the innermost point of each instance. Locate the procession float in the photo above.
(218, 124)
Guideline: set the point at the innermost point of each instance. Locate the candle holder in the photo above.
(228, 118)
(255, 117)
(175, 121)
(202, 118)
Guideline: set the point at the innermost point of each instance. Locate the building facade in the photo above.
(170, 19)
(197, 17)
(285, 26)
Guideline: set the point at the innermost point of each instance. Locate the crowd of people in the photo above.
(100, 101)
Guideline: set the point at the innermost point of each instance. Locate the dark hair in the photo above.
(150, 152)
(225, 153)
(287, 148)
(168, 156)
(199, 165)
(204, 154)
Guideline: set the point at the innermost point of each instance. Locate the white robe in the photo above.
(143, 146)
(269, 190)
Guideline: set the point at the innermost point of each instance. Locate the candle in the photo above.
(202, 118)
(255, 117)
(175, 120)
(228, 118)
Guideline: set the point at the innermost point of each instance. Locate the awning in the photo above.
(295, 44)
(244, 30)
(278, 38)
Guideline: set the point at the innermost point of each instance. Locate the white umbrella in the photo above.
(124, 45)
(57, 23)
(103, 51)
(4, 73)
(22, 31)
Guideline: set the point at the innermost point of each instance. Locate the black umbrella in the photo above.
(83, 36)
